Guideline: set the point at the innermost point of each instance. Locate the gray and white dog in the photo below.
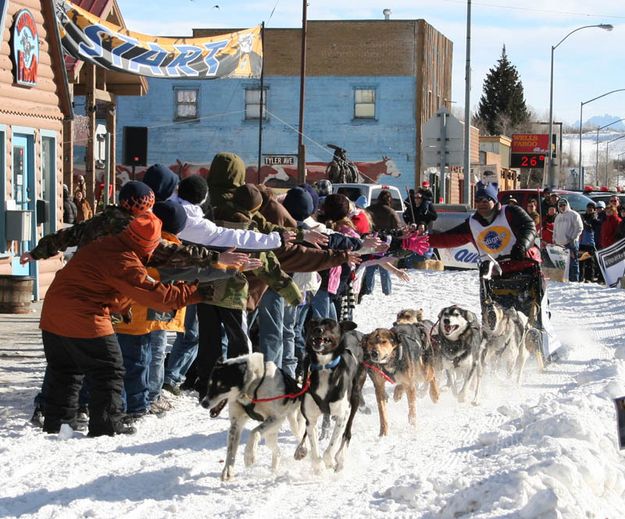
(243, 381)
(509, 338)
(458, 345)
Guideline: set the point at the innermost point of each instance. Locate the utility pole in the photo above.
(467, 113)
(301, 148)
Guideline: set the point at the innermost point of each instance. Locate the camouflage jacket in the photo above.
(113, 220)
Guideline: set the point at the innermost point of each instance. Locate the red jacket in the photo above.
(608, 230)
(105, 276)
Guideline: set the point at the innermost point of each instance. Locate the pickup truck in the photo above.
(371, 192)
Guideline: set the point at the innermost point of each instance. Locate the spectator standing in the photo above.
(547, 226)
(532, 210)
(588, 243)
(420, 209)
(69, 207)
(609, 226)
(567, 229)
(76, 324)
(83, 208)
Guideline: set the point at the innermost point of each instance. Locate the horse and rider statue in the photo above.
(341, 170)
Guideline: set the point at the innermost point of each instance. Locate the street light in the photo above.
(581, 109)
(607, 156)
(597, 143)
(606, 27)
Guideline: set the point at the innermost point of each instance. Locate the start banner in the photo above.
(91, 39)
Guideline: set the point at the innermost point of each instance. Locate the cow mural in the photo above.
(272, 176)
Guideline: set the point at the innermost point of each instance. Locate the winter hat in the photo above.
(136, 197)
(489, 190)
(247, 197)
(298, 203)
(172, 215)
(361, 202)
(193, 189)
(143, 233)
(336, 207)
(313, 194)
(601, 204)
(162, 180)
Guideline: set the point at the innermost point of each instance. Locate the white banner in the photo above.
(612, 263)
(465, 257)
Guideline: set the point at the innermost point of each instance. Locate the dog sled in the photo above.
(520, 285)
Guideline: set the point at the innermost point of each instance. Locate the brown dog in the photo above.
(401, 355)
(409, 316)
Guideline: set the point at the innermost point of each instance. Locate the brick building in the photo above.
(370, 86)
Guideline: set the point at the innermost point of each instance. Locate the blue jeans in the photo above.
(369, 280)
(156, 369)
(289, 360)
(322, 305)
(184, 350)
(136, 355)
(300, 340)
(270, 326)
(574, 261)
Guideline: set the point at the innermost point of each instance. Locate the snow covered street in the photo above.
(546, 449)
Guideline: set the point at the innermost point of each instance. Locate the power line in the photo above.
(531, 9)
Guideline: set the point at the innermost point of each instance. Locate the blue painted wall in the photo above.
(328, 118)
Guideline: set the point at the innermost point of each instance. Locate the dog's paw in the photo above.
(398, 393)
(364, 409)
(300, 453)
(412, 420)
(227, 474)
(383, 431)
(461, 397)
(328, 460)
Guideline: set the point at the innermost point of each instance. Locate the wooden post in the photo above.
(111, 127)
(90, 109)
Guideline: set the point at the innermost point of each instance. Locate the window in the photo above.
(364, 103)
(252, 103)
(2, 193)
(48, 174)
(186, 103)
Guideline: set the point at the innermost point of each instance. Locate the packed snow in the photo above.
(545, 449)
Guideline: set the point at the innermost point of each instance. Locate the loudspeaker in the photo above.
(135, 145)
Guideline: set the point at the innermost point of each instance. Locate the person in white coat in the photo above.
(567, 228)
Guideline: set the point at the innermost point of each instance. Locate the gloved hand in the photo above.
(416, 243)
(517, 252)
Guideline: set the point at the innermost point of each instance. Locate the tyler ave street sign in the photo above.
(279, 160)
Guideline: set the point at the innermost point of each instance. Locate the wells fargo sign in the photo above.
(530, 143)
(25, 49)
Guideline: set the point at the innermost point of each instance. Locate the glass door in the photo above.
(23, 193)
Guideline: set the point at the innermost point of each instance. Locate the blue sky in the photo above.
(589, 63)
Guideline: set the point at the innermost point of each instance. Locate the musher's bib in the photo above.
(496, 239)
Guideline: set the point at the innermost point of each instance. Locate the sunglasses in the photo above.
(483, 199)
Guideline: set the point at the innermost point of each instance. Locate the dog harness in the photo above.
(383, 372)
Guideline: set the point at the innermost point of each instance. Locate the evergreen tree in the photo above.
(502, 109)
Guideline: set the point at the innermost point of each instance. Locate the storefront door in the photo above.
(23, 192)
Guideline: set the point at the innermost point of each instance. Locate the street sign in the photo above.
(279, 160)
(443, 123)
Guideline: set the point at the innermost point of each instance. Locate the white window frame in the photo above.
(179, 104)
(365, 103)
(252, 103)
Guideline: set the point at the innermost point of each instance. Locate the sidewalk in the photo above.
(20, 335)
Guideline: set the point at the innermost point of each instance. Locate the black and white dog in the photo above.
(334, 365)
(460, 348)
(509, 338)
(243, 381)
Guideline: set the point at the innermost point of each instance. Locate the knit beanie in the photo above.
(193, 189)
(361, 202)
(162, 180)
(313, 194)
(247, 197)
(143, 233)
(336, 207)
(172, 215)
(136, 197)
(489, 190)
(298, 203)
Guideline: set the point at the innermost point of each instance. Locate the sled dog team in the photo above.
(413, 355)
